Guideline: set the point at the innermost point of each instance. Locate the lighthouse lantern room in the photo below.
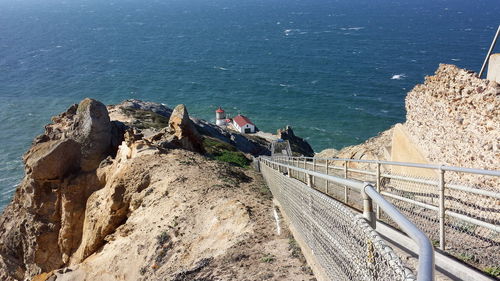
(220, 117)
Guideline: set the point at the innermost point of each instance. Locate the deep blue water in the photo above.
(322, 66)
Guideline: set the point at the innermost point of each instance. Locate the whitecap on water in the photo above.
(455, 59)
(398, 76)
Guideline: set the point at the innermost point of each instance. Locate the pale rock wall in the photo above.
(494, 68)
(455, 119)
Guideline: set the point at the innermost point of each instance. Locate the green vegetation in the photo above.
(435, 243)
(163, 238)
(237, 158)
(466, 257)
(493, 271)
(294, 248)
(224, 152)
(146, 119)
(269, 258)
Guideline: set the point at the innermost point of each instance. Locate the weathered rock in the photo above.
(53, 159)
(108, 208)
(297, 144)
(181, 132)
(49, 205)
(147, 106)
(92, 129)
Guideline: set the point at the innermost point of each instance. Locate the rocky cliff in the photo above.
(138, 196)
(452, 119)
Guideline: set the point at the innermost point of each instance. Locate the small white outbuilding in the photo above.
(243, 125)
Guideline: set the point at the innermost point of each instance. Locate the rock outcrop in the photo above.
(100, 200)
(181, 132)
(454, 117)
(297, 144)
(49, 204)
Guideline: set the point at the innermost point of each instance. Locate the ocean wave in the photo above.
(398, 76)
(356, 28)
(456, 59)
(318, 129)
(291, 31)
(220, 68)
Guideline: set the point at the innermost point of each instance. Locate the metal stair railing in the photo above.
(369, 195)
(458, 208)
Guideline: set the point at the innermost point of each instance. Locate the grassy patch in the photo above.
(269, 258)
(466, 257)
(265, 192)
(146, 119)
(233, 157)
(224, 152)
(493, 271)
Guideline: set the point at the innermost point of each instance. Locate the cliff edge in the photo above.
(143, 195)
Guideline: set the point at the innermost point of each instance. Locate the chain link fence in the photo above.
(343, 243)
(458, 210)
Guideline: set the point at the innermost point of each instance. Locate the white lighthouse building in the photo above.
(220, 117)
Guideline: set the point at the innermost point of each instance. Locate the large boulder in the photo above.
(92, 130)
(181, 132)
(53, 159)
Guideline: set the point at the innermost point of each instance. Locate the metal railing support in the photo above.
(346, 196)
(309, 180)
(326, 171)
(368, 212)
(305, 168)
(314, 169)
(425, 267)
(442, 210)
(378, 187)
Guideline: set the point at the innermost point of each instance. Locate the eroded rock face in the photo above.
(42, 226)
(297, 144)
(455, 118)
(53, 159)
(181, 132)
(92, 130)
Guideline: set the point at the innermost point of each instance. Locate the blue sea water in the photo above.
(337, 71)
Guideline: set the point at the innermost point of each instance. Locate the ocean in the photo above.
(336, 71)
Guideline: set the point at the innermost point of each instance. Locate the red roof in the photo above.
(242, 120)
(219, 110)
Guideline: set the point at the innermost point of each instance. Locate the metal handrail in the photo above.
(408, 164)
(426, 250)
(439, 182)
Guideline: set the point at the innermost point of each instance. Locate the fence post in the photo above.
(368, 212)
(378, 187)
(289, 171)
(305, 175)
(314, 170)
(442, 210)
(326, 170)
(346, 198)
(309, 180)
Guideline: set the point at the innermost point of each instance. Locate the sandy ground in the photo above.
(197, 220)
